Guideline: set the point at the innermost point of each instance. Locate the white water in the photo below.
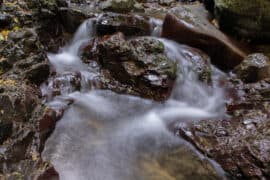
(102, 133)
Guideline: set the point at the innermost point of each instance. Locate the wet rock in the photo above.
(139, 62)
(47, 16)
(247, 18)
(44, 120)
(46, 6)
(49, 173)
(190, 25)
(232, 143)
(20, 44)
(23, 129)
(177, 163)
(200, 62)
(166, 2)
(38, 73)
(24, 57)
(240, 142)
(17, 101)
(4, 65)
(71, 18)
(20, 34)
(110, 23)
(33, 28)
(63, 85)
(254, 68)
(120, 6)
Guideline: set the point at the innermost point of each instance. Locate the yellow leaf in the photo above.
(16, 20)
(2, 38)
(16, 28)
(4, 34)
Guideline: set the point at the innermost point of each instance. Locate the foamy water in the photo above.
(102, 134)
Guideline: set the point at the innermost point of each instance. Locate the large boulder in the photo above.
(139, 62)
(189, 24)
(254, 68)
(247, 18)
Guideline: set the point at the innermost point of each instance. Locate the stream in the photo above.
(107, 136)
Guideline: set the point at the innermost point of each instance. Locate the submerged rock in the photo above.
(247, 18)
(129, 24)
(177, 163)
(139, 62)
(200, 62)
(254, 68)
(190, 25)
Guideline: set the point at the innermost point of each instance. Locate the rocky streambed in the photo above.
(124, 89)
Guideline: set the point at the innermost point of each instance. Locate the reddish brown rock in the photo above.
(48, 173)
(140, 62)
(190, 25)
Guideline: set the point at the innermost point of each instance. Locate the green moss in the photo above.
(248, 18)
(245, 5)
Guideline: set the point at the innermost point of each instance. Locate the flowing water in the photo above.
(106, 136)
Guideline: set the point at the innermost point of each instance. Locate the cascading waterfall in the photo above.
(102, 134)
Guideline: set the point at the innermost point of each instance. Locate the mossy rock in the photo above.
(140, 63)
(247, 18)
(120, 6)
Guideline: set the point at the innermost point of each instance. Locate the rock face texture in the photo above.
(110, 23)
(240, 143)
(121, 6)
(190, 25)
(24, 126)
(139, 62)
(247, 18)
(139, 66)
(24, 122)
(254, 68)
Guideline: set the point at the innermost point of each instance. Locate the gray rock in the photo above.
(255, 67)
(129, 24)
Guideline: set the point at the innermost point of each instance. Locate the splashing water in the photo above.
(68, 58)
(104, 135)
